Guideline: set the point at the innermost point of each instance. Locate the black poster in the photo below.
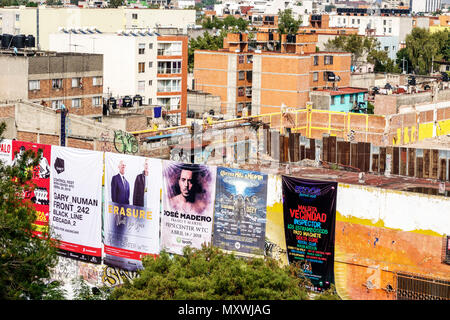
(309, 209)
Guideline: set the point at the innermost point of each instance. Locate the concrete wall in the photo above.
(362, 80)
(203, 102)
(35, 123)
(13, 77)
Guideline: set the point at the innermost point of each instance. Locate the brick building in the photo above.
(264, 80)
(53, 79)
(137, 62)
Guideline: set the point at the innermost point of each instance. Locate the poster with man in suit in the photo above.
(132, 207)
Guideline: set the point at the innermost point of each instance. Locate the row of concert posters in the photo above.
(132, 209)
(309, 209)
(75, 209)
(240, 211)
(151, 204)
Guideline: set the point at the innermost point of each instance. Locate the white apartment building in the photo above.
(135, 62)
(25, 20)
(425, 5)
(395, 26)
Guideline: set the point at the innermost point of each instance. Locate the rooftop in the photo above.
(344, 90)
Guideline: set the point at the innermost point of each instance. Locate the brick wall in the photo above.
(7, 111)
(67, 93)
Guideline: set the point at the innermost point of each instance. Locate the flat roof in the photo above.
(345, 90)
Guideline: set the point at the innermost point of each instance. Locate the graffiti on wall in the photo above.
(112, 276)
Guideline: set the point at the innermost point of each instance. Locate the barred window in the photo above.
(34, 85)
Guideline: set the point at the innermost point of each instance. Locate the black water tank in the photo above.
(19, 41)
(112, 103)
(30, 41)
(138, 98)
(127, 102)
(7, 40)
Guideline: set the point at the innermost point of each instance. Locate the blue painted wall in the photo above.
(346, 105)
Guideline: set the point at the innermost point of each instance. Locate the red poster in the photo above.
(39, 196)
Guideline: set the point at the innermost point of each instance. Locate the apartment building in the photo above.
(226, 73)
(24, 20)
(136, 63)
(425, 6)
(264, 80)
(74, 80)
(387, 25)
(288, 78)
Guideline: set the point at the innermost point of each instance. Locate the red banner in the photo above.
(39, 195)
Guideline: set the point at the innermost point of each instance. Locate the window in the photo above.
(241, 75)
(315, 76)
(97, 81)
(97, 101)
(241, 92)
(150, 46)
(169, 67)
(384, 22)
(150, 64)
(141, 86)
(342, 99)
(390, 30)
(248, 91)
(134, 16)
(141, 48)
(76, 103)
(328, 60)
(249, 59)
(34, 85)
(172, 103)
(141, 67)
(17, 17)
(333, 100)
(149, 101)
(352, 98)
(76, 82)
(172, 85)
(57, 83)
(386, 48)
(316, 60)
(169, 49)
(150, 82)
(241, 59)
(56, 104)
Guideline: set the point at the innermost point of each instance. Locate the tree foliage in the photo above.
(422, 47)
(287, 24)
(238, 24)
(25, 259)
(205, 42)
(210, 274)
(116, 3)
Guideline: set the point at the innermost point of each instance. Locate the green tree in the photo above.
(422, 47)
(25, 259)
(287, 24)
(359, 47)
(205, 42)
(210, 274)
(115, 3)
